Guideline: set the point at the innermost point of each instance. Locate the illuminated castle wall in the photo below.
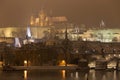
(103, 35)
(37, 32)
(39, 26)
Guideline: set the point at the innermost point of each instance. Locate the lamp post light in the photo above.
(25, 63)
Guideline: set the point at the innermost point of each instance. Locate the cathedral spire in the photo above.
(66, 34)
(102, 24)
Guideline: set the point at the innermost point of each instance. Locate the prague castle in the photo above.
(40, 27)
(44, 26)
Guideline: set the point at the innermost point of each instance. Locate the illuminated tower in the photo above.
(102, 24)
(28, 34)
(66, 34)
(17, 42)
(41, 20)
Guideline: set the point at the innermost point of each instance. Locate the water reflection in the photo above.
(104, 77)
(71, 74)
(92, 74)
(114, 75)
(60, 75)
(86, 76)
(25, 74)
(76, 75)
(63, 74)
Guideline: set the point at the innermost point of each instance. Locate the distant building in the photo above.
(45, 27)
(102, 35)
(42, 26)
(44, 20)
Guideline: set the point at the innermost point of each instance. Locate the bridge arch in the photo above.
(113, 62)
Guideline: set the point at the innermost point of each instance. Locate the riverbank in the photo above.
(44, 67)
(74, 67)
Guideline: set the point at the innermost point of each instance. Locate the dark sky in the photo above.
(89, 12)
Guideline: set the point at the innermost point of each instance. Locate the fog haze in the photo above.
(88, 12)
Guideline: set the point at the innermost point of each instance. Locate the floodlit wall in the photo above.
(37, 32)
(102, 35)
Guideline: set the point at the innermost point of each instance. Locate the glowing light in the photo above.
(62, 63)
(114, 54)
(25, 74)
(84, 39)
(28, 32)
(63, 73)
(25, 62)
(1, 64)
(76, 75)
(91, 65)
(114, 67)
(119, 55)
(111, 65)
(31, 23)
(17, 42)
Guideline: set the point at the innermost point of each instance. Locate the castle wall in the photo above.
(37, 32)
(103, 35)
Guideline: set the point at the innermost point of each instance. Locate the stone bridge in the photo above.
(102, 61)
(97, 53)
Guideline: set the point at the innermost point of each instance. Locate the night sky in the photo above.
(88, 12)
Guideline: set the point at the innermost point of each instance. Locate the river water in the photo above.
(59, 75)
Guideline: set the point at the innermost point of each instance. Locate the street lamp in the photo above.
(25, 63)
